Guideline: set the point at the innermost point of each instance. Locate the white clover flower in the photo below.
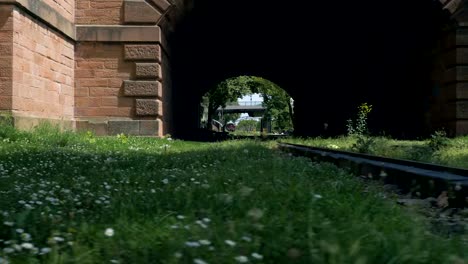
(180, 217)
(245, 191)
(204, 242)
(19, 230)
(192, 244)
(230, 243)
(7, 223)
(45, 250)
(255, 213)
(318, 196)
(8, 250)
(206, 220)
(199, 261)
(27, 245)
(246, 239)
(58, 239)
(242, 259)
(165, 181)
(109, 232)
(25, 236)
(17, 247)
(255, 255)
(201, 224)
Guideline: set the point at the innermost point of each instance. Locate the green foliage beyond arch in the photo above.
(278, 103)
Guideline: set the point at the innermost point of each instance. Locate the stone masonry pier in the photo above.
(87, 65)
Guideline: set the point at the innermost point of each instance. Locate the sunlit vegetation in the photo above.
(438, 148)
(279, 105)
(452, 152)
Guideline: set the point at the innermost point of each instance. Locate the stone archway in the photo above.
(331, 63)
(129, 66)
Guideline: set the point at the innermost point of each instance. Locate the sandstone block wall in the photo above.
(98, 12)
(6, 57)
(90, 64)
(37, 61)
(99, 75)
(64, 7)
(43, 70)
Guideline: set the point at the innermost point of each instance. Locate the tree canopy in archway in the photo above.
(277, 102)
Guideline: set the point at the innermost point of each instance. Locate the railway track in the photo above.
(420, 179)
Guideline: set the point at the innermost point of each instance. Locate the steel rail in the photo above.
(418, 178)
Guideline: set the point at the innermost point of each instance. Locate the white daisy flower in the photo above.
(109, 232)
(230, 243)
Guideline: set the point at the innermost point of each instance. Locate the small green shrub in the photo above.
(438, 140)
(358, 128)
(8, 132)
(51, 134)
(122, 138)
(364, 144)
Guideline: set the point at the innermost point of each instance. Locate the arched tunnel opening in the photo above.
(226, 105)
(329, 56)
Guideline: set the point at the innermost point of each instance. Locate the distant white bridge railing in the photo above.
(250, 103)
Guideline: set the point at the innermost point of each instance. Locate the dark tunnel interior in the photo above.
(330, 56)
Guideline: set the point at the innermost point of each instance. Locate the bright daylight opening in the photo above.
(247, 105)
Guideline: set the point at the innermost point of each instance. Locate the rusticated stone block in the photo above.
(162, 4)
(148, 70)
(462, 109)
(139, 11)
(143, 52)
(458, 73)
(148, 107)
(457, 91)
(128, 127)
(142, 88)
(149, 127)
(456, 56)
(461, 128)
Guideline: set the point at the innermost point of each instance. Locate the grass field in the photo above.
(68, 198)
